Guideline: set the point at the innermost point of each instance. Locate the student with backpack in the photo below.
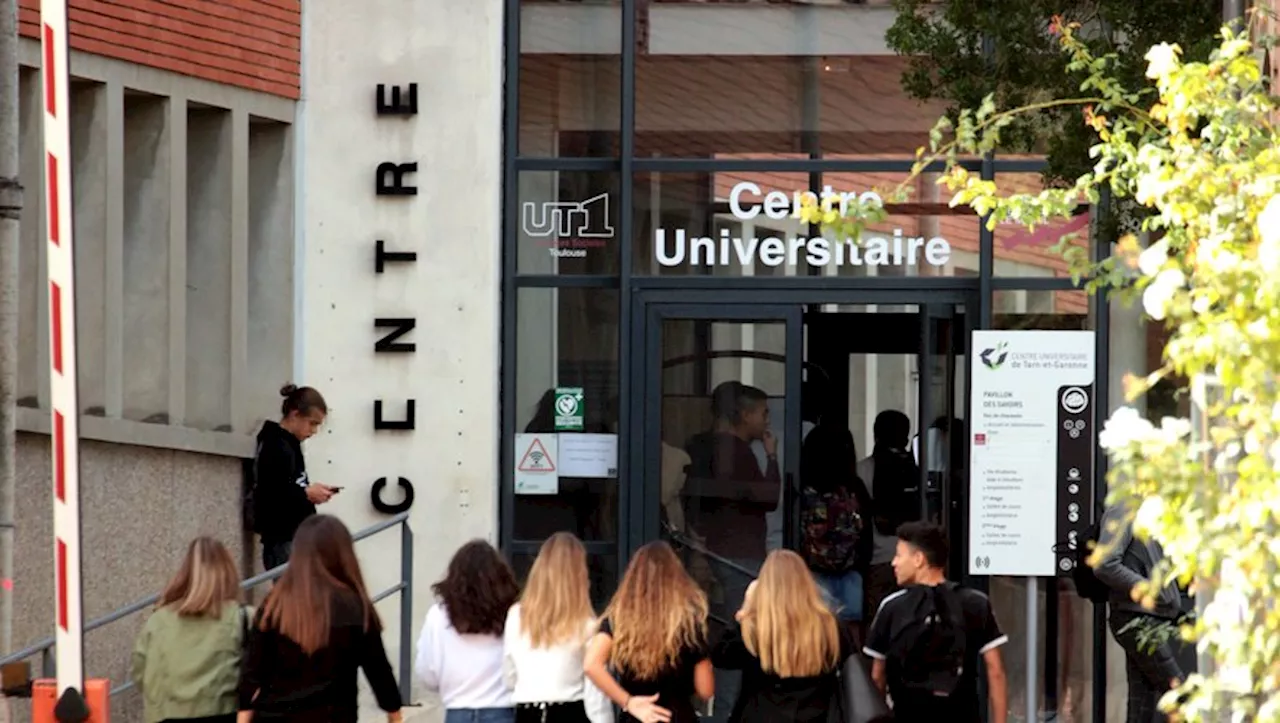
(894, 477)
(835, 536)
(928, 637)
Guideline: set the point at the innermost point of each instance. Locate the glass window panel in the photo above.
(602, 571)
(570, 77)
(1023, 253)
(740, 223)
(567, 338)
(756, 79)
(568, 222)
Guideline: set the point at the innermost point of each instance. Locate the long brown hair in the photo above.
(207, 580)
(477, 590)
(556, 605)
(786, 623)
(657, 613)
(322, 564)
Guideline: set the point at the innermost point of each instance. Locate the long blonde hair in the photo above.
(657, 613)
(556, 605)
(786, 623)
(207, 580)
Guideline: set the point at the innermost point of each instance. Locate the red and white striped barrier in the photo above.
(63, 391)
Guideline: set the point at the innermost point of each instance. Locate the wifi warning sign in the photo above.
(535, 472)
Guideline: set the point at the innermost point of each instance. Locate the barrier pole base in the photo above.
(71, 706)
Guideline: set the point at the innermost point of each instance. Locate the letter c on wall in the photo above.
(375, 496)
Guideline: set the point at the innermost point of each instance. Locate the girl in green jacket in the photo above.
(187, 658)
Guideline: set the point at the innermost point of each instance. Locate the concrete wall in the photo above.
(141, 508)
(452, 224)
(180, 186)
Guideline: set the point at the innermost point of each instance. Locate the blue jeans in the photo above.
(480, 715)
(843, 592)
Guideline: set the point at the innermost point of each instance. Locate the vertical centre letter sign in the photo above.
(392, 179)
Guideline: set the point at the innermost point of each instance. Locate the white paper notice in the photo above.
(536, 470)
(588, 455)
(1021, 381)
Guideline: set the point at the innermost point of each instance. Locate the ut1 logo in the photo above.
(569, 219)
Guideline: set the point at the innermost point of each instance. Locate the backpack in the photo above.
(927, 653)
(1088, 586)
(831, 526)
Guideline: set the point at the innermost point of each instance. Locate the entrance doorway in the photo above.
(723, 493)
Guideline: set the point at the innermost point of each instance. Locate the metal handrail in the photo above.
(45, 647)
(684, 540)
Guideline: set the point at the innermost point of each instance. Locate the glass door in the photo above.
(721, 429)
(721, 436)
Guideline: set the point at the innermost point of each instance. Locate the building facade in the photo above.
(450, 216)
(183, 155)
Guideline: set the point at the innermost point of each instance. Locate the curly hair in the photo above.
(477, 590)
(657, 614)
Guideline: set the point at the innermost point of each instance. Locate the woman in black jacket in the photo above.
(789, 647)
(283, 495)
(316, 627)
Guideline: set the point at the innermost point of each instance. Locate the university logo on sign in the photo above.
(569, 227)
(567, 219)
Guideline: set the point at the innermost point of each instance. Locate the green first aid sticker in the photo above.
(568, 409)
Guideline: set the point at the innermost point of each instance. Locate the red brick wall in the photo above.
(247, 43)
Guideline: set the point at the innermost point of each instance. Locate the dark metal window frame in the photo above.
(627, 165)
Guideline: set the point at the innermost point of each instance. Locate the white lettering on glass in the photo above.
(747, 201)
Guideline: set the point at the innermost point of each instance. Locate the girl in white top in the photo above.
(547, 633)
(460, 650)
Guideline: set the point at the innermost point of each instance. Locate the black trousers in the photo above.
(574, 712)
(1150, 666)
(275, 554)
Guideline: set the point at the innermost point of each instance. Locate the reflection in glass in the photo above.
(570, 78)
(568, 223)
(567, 338)
(741, 223)
(721, 435)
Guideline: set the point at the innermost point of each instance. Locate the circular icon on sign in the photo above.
(1073, 517)
(566, 405)
(1066, 564)
(1072, 535)
(1073, 507)
(1075, 400)
(1074, 473)
(1073, 488)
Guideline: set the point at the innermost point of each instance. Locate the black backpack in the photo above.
(927, 653)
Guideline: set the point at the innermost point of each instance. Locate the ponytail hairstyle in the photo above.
(302, 400)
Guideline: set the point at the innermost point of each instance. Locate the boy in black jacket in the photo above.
(283, 495)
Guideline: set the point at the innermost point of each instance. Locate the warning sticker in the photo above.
(535, 472)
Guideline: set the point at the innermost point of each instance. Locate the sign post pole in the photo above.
(62, 357)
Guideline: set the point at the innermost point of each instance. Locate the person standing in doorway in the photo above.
(927, 638)
(894, 485)
(283, 495)
(737, 493)
(1151, 662)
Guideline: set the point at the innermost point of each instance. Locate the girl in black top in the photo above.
(788, 646)
(654, 637)
(314, 629)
